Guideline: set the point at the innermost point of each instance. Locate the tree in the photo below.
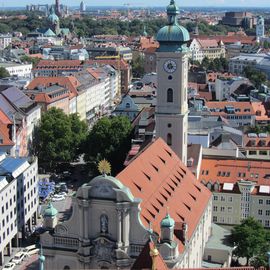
(59, 137)
(255, 76)
(250, 239)
(109, 139)
(3, 73)
(29, 59)
(138, 67)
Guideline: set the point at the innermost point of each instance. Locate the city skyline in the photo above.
(183, 3)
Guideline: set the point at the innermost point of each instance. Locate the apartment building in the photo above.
(236, 113)
(240, 189)
(19, 70)
(257, 146)
(5, 40)
(210, 48)
(20, 115)
(257, 61)
(19, 200)
(225, 87)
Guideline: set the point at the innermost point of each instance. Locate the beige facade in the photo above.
(230, 207)
(172, 109)
(103, 232)
(106, 232)
(81, 105)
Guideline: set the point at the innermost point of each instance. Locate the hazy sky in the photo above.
(249, 3)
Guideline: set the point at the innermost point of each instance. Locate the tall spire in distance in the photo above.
(57, 8)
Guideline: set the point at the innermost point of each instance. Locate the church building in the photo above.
(155, 197)
(54, 29)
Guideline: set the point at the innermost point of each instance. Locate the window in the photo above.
(104, 223)
(128, 105)
(222, 198)
(169, 125)
(169, 139)
(267, 212)
(260, 201)
(266, 223)
(229, 209)
(214, 219)
(230, 199)
(260, 212)
(170, 77)
(215, 198)
(267, 202)
(215, 208)
(170, 95)
(222, 209)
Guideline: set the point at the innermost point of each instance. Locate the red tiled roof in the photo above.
(241, 108)
(4, 130)
(63, 64)
(4, 135)
(161, 180)
(260, 111)
(112, 62)
(4, 119)
(233, 170)
(230, 39)
(257, 143)
(206, 43)
(71, 83)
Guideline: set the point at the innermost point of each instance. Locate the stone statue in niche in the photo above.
(104, 223)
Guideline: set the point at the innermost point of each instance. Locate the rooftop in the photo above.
(164, 181)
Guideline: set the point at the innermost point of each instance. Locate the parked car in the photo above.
(18, 258)
(9, 266)
(31, 250)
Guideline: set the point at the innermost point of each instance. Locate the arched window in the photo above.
(170, 95)
(127, 105)
(66, 267)
(104, 223)
(169, 139)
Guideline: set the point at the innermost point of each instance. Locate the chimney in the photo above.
(185, 230)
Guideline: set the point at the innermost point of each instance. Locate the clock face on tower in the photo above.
(170, 66)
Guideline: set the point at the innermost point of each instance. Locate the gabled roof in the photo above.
(115, 63)
(208, 43)
(233, 170)
(161, 180)
(70, 82)
(4, 119)
(61, 64)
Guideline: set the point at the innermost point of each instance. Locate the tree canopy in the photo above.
(58, 138)
(217, 64)
(255, 76)
(251, 241)
(138, 67)
(29, 59)
(3, 73)
(109, 139)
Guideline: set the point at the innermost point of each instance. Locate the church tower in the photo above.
(172, 73)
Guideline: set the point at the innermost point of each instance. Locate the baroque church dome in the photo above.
(53, 18)
(173, 32)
